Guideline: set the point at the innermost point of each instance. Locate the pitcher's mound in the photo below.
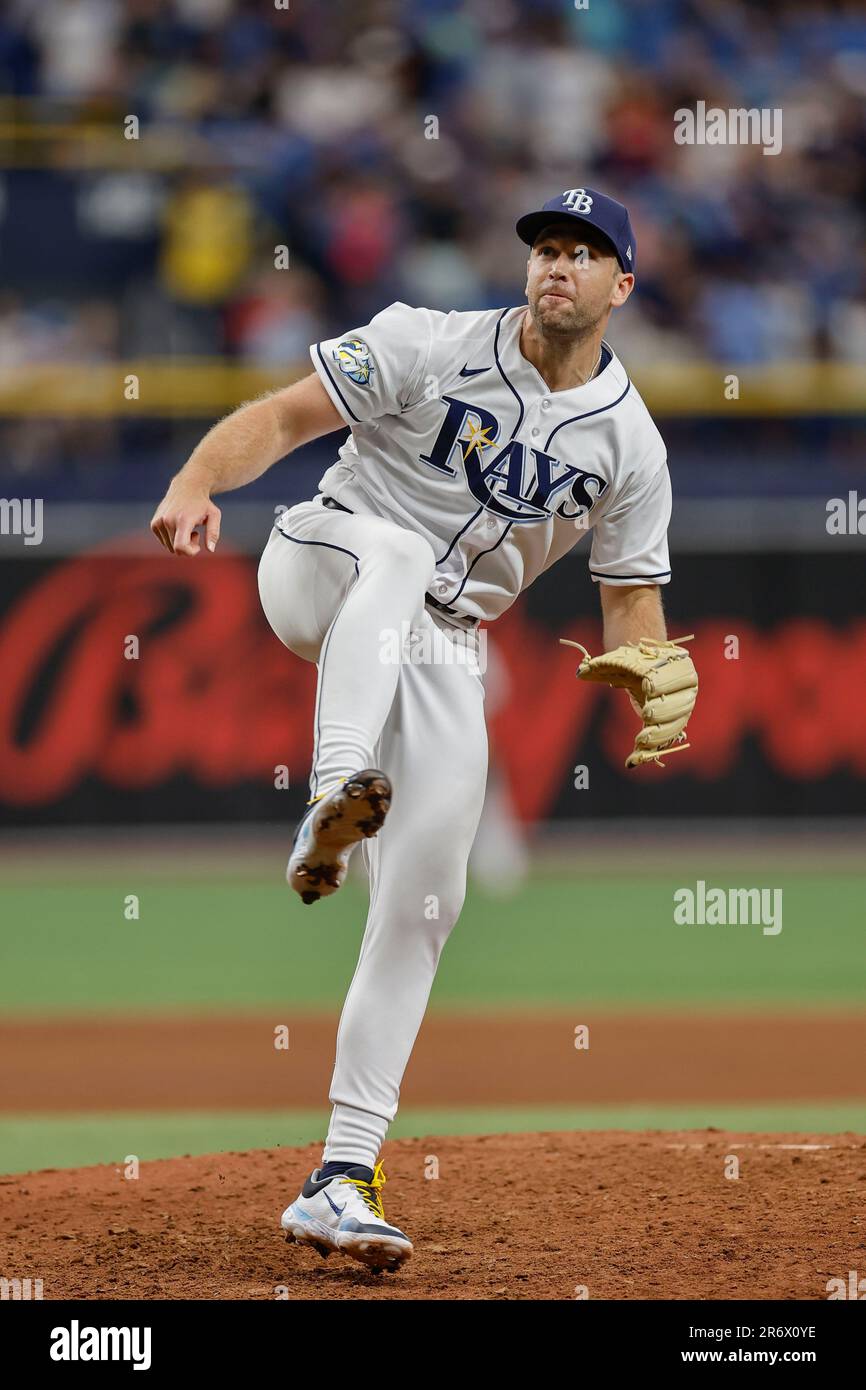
(703, 1214)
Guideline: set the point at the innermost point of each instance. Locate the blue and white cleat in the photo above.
(335, 823)
(345, 1213)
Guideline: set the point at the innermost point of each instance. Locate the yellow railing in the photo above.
(206, 388)
(36, 136)
(152, 387)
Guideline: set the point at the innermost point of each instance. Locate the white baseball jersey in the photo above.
(455, 435)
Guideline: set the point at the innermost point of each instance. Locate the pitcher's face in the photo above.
(573, 280)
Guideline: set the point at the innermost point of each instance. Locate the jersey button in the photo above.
(534, 432)
(545, 405)
(441, 588)
(490, 523)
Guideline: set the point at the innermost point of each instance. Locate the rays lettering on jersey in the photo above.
(510, 484)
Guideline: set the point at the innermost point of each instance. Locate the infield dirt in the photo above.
(523, 1216)
(516, 1057)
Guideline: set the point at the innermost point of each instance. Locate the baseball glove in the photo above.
(663, 683)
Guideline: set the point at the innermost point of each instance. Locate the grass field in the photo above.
(55, 1141)
(237, 943)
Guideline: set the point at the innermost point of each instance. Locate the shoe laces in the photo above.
(370, 1191)
(311, 805)
(327, 792)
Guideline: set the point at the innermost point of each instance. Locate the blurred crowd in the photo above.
(389, 146)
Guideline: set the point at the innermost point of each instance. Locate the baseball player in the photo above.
(482, 448)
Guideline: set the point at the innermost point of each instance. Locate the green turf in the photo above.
(236, 943)
(29, 1142)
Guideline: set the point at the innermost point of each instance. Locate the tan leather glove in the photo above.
(663, 683)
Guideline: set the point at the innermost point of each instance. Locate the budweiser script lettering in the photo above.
(215, 698)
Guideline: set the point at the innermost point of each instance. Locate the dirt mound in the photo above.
(525, 1216)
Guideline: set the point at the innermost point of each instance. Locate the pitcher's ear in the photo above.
(623, 289)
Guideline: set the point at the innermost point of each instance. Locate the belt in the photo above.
(335, 505)
(465, 620)
(428, 598)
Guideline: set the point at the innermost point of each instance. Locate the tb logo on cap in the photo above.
(578, 200)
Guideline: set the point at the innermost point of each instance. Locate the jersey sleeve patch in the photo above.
(355, 360)
(370, 371)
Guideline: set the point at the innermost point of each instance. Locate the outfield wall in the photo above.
(141, 690)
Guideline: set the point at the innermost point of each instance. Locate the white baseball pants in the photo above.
(337, 587)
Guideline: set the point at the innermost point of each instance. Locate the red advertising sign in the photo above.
(133, 672)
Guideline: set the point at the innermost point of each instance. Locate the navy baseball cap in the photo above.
(585, 205)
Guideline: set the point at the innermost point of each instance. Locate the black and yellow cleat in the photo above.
(335, 823)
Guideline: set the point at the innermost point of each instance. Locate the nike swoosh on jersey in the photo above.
(473, 371)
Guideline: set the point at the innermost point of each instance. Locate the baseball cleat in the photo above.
(335, 823)
(345, 1213)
